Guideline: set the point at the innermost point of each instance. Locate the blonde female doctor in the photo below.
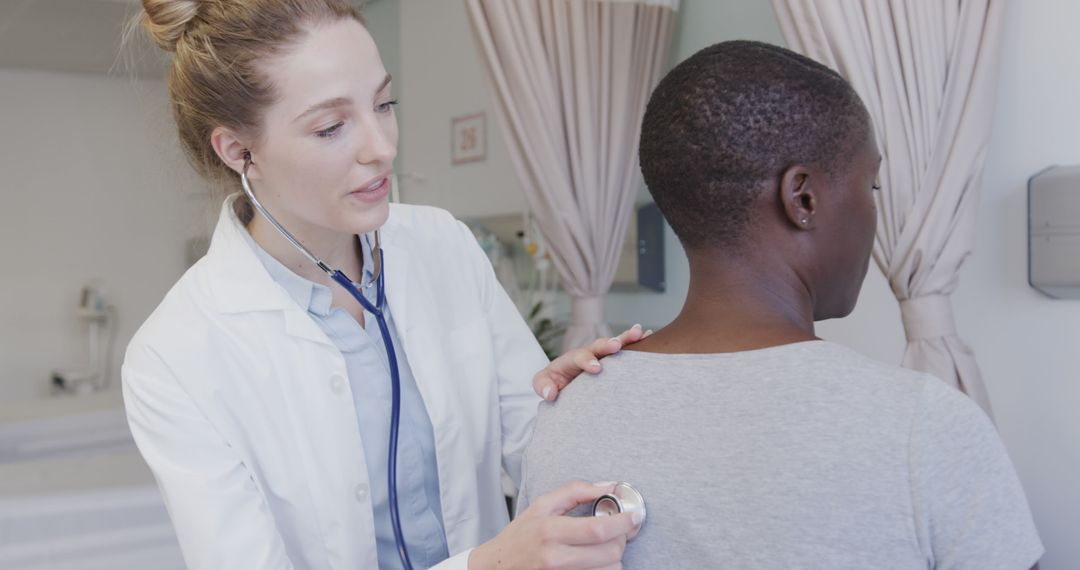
(259, 390)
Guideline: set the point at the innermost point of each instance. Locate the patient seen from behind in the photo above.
(754, 443)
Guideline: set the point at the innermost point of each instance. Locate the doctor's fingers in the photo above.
(585, 531)
(587, 358)
(632, 335)
(602, 347)
(564, 369)
(566, 498)
(606, 555)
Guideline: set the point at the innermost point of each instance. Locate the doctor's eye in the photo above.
(330, 132)
(387, 106)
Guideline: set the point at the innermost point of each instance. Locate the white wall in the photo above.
(442, 78)
(383, 18)
(93, 187)
(1025, 343)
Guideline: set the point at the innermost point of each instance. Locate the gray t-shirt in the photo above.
(807, 455)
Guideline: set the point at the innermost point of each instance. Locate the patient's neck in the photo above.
(735, 304)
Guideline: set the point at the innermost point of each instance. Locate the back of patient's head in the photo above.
(723, 126)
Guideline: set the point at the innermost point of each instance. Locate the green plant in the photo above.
(546, 330)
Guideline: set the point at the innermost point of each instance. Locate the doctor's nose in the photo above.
(378, 145)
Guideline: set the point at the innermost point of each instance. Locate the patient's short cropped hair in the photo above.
(731, 118)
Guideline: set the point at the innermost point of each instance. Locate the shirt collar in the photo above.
(313, 297)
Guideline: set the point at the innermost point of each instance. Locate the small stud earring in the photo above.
(804, 220)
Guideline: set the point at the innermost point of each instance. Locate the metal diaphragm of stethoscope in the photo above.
(375, 309)
(623, 499)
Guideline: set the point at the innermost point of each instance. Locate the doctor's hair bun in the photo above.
(218, 73)
(167, 20)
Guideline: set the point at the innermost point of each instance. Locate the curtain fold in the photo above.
(570, 80)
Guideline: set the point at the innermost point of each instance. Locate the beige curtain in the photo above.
(571, 79)
(927, 71)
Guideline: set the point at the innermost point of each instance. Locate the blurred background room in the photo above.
(100, 214)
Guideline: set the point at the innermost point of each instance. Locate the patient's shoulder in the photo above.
(812, 362)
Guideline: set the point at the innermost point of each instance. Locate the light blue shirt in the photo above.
(369, 377)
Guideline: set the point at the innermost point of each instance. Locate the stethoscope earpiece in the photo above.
(336, 275)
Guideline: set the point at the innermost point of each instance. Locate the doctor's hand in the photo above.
(562, 371)
(542, 537)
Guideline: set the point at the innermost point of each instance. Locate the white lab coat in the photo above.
(241, 406)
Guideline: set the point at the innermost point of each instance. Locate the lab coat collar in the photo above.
(396, 268)
(241, 283)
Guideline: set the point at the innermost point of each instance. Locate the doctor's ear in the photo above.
(232, 151)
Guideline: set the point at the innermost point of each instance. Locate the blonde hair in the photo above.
(215, 78)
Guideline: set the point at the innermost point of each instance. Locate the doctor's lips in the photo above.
(373, 190)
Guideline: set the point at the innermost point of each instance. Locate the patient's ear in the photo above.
(798, 195)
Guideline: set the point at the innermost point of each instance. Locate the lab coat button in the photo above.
(337, 383)
(361, 493)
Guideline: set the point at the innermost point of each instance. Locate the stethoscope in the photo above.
(375, 309)
(624, 498)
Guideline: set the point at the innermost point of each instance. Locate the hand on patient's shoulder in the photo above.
(544, 537)
(564, 369)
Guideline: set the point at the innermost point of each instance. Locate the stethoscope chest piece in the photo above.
(624, 499)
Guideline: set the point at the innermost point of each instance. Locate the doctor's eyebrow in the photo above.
(338, 101)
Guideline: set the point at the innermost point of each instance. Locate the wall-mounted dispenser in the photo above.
(1054, 232)
(100, 316)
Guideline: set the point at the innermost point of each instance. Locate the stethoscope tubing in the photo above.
(376, 309)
